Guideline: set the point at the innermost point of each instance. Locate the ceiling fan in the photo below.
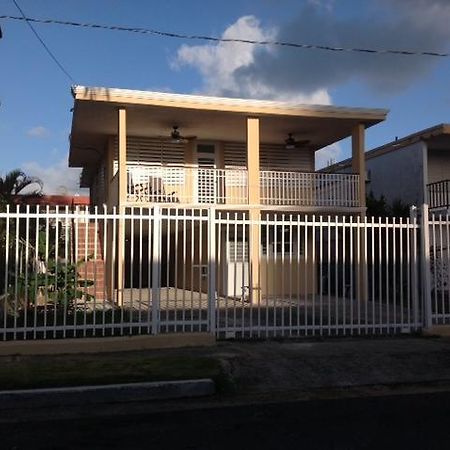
(177, 138)
(291, 142)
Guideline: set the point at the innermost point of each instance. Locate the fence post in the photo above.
(156, 269)
(425, 260)
(212, 269)
(414, 264)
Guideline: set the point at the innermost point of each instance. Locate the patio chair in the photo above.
(156, 191)
(137, 188)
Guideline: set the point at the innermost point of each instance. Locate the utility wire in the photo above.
(216, 39)
(28, 22)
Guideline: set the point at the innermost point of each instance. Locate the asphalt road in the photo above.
(419, 421)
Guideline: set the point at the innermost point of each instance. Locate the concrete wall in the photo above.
(398, 174)
(438, 165)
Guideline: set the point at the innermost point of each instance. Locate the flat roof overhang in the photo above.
(153, 114)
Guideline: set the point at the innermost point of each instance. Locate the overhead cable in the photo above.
(155, 32)
(51, 54)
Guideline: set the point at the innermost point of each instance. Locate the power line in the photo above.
(216, 39)
(28, 22)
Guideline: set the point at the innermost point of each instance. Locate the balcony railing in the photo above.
(183, 185)
(309, 189)
(439, 194)
(187, 185)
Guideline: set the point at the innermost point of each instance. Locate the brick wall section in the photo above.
(90, 256)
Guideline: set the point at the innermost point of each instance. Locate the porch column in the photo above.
(122, 157)
(359, 161)
(122, 169)
(254, 201)
(189, 175)
(109, 172)
(359, 167)
(253, 161)
(109, 200)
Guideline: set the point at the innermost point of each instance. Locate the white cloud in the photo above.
(220, 63)
(420, 25)
(306, 75)
(217, 62)
(57, 178)
(328, 155)
(38, 132)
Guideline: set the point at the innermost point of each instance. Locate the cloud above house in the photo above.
(237, 69)
(57, 178)
(38, 132)
(219, 64)
(418, 25)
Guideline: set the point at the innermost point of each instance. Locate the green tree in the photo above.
(15, 186)
(15, 183)
(379, 207)
(61, 282)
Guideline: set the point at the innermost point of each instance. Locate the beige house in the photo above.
(252, 157)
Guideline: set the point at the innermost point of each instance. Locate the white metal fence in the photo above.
(322, 276)
(96, 273)
(439, 274)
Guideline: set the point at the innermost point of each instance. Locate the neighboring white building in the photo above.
(414, 169)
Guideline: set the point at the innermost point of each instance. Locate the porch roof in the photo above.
(153, 114)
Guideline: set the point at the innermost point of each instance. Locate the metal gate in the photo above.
(438, 281)
(88, 273)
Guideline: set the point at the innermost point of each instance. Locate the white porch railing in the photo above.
(309, 189)
(186, 185)
(183, 185)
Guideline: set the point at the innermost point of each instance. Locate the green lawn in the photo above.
(25, 372)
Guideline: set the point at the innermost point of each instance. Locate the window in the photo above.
(237, 251)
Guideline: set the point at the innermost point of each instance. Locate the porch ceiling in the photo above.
(95, 118)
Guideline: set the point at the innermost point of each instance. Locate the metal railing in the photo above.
(184, 185)
(158, 270)
(309, 189)
(439, 270)
(167, 185)
(439, 194)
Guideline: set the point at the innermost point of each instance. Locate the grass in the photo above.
(26, 372)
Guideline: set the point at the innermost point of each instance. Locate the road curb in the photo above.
(115, 393)
(106, 344)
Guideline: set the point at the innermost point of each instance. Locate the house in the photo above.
(253, 158)
(414, 169)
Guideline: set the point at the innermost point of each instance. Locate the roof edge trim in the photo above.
(129, 96)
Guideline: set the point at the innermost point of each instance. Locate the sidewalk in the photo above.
(271, 371)
(335, 363)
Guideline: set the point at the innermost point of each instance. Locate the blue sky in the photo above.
(35, 95)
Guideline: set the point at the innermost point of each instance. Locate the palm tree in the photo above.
(14, 186)
(15, 183)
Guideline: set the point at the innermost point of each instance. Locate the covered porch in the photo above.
(227, 151)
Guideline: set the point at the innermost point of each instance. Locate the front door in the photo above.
(206, 178)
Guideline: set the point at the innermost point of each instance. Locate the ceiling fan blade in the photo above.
(302, 143)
